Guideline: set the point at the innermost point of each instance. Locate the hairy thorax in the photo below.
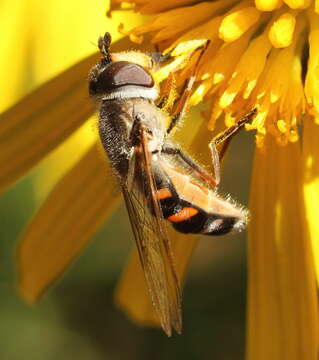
(115, 125)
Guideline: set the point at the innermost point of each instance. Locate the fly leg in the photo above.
(233, 129)
(183, 103)
(225, 138)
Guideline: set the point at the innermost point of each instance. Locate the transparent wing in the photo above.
(152, 241)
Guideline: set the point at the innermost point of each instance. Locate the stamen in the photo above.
(200, 92)
(282, 30)
(282, 126)
(268, 5)
(312, 78)
(237, 23)
(248, 70)
(298, 4)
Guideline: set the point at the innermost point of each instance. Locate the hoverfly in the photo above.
(157, 179)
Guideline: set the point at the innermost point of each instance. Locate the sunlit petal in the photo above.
(311, 186)
(38, 123)
(13, 54)
(67, 31)
(43, 119)
(63, 158)
(64, 224)
(282, 296)
(50, 55)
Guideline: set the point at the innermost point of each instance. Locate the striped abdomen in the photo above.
(192, 208)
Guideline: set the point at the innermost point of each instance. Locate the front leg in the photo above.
(225, 137)
(183, 104)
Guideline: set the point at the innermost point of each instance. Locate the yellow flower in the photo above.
(262, 55)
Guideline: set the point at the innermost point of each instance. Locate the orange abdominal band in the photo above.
(162, 194)
(183, 215)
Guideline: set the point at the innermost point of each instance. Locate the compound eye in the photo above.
(123, 73)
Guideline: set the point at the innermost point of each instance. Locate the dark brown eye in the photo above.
(122, 73)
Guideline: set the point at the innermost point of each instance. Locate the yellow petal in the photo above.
(63, 158)
(312, 77)
(220, 69)
(132, 295)
(311, 184)
(282, 295)
(42, 120)
(150, 7)
(248, 70)
(13, 50)
(65, 223)
(173, 22)
(57, 43)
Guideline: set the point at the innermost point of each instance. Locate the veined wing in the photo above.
(152, 241)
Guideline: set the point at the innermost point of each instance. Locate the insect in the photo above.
(159, 181)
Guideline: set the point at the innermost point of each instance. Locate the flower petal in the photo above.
(132, 295)
(282, 297)
(42, 120)
(149, 7)
(311, 185)
(173, 22)
(312, 77)
(13, 48)
(66, 221)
